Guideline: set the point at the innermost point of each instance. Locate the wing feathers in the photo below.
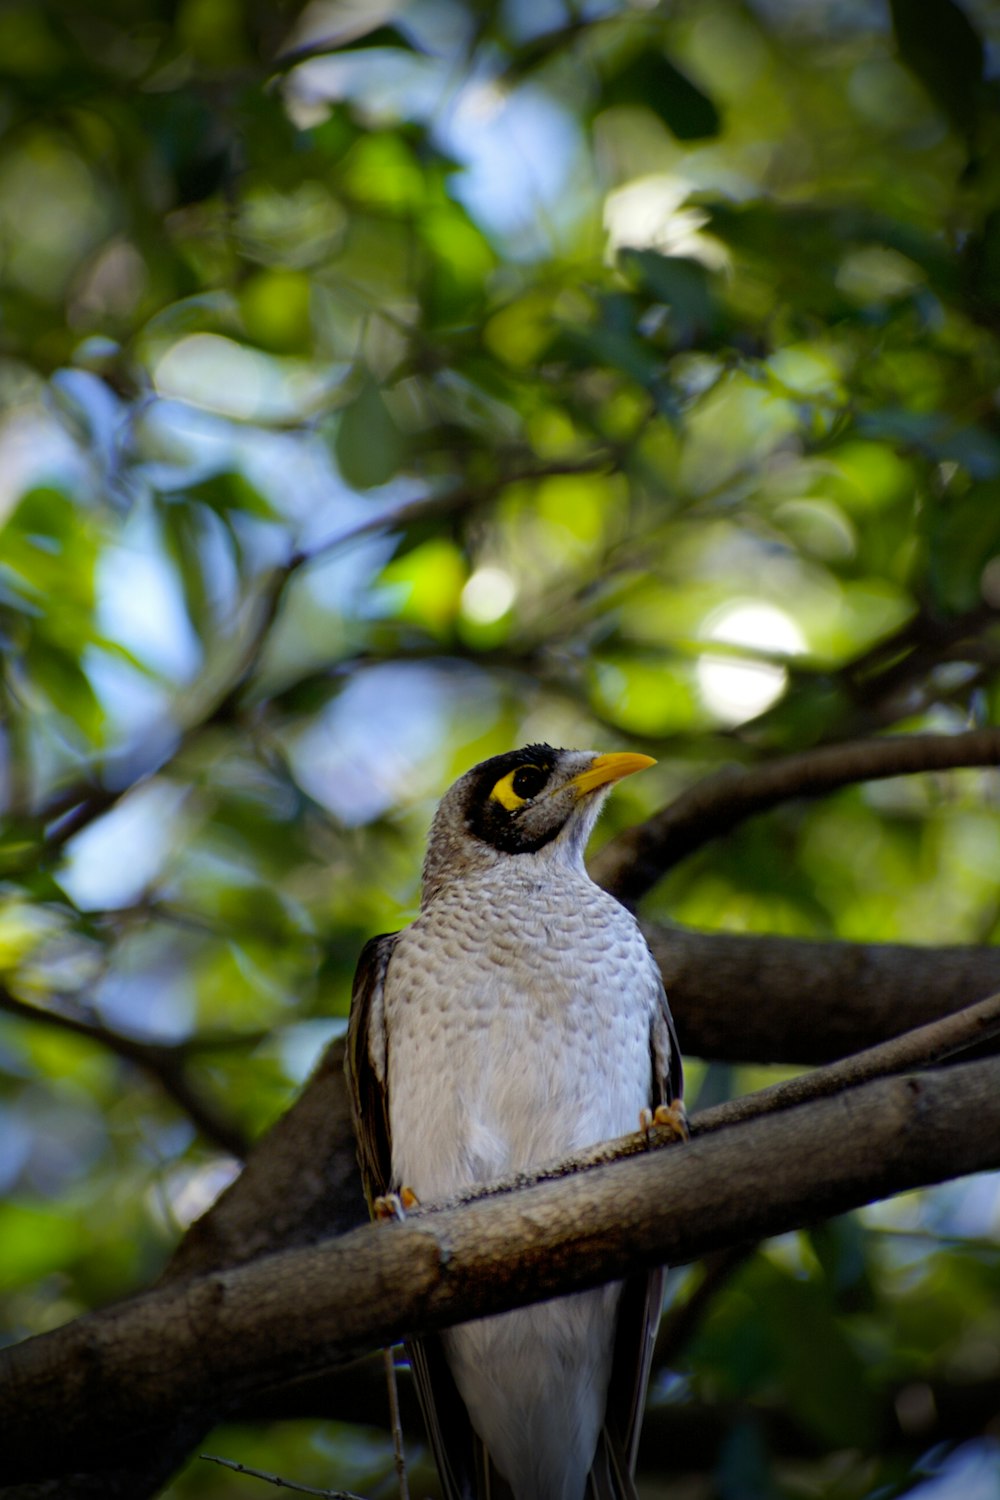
(366, 1063)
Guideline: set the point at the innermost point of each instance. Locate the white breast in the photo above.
(519, 1020)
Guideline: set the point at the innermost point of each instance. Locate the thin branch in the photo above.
(282, 1484)
(395, 1425)
(115, 1375)
(631, 863)
(164, 1063)
(894, 663)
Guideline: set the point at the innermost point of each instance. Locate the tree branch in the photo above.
(748, 998)
(633, 862)
(69, 1394)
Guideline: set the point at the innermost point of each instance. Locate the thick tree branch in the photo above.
(300, 1184)
(742, 998)
(68, 1394)
(633, 862)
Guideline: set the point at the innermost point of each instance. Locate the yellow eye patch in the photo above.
(505, 794)
(519, 786)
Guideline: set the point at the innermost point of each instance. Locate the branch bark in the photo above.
(634, 861)
(69, 1395)
(739, 998)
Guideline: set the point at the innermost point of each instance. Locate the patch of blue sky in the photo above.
(361, 756)
(971, 1472)
(301, 1046)
(153, 1002)
(522, 158)
(110, 865)
(140, 602)
(521, 154)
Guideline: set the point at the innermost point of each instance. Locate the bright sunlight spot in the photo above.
(488, 594)
(737, 688)
(650, 213)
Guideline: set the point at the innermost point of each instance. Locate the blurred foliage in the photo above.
(384, 387)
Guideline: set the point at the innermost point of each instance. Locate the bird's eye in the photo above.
(529, 780)
(517, 787)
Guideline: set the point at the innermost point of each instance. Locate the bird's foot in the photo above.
(395, 1205)
(672, 1117)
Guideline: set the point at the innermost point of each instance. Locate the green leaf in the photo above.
(368, 446)
(683, 284)
(963, 536)
(57, 673)
(231, 491)
(36, 1241)
(184, 540)
(650, 79)
(939, 437)
(379, 36)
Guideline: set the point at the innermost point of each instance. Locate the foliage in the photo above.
(376, 399)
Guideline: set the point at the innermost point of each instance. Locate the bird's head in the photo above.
(537, 801)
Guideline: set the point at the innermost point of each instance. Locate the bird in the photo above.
(520, 1018)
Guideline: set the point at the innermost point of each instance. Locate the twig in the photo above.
(165, 1064)
(399, 1457)
(282, 1484)
(631, 863)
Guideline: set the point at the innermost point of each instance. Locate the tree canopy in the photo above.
(387, 386)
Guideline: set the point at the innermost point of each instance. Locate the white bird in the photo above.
(519, 1019)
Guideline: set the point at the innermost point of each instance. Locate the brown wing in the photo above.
(369, 1092)
(457, 1451)
(642, 1295)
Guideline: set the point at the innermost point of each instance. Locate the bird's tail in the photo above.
(609, 1477)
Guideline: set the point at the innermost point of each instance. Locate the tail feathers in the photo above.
(464, 1464)
(610, 1477)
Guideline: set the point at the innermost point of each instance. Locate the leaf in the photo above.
(963, 536)
(380, 36)
(62, 680)
(184, 541)
(230, 491)
(983, 262)
(650, 79)
(940, 45)
(36, 1241)
(937, 437)
(368, 445)
(683, 284)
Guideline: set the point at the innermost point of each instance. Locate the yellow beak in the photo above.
(608, 768)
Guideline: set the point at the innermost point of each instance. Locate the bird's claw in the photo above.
(671, 1117)
(395, 1205)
